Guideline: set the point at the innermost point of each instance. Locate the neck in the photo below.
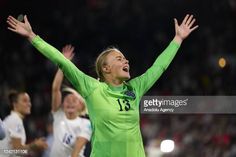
(114, 82)
(19, 114)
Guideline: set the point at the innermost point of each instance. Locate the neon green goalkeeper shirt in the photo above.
(114, 111)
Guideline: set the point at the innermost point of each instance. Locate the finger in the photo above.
(176, 22)
(12, 19)
(191, 24)
(66, 47)
(72, 56)
(9, 20)
(12, 24)
(69, 46)
(13, 30)
(189, 20)
(192, 29)
(26, 19)
(72, 48)
(185, 19)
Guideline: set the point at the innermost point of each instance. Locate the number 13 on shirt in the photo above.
(123, 104)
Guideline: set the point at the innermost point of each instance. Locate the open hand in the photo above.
(22, 28)
(182, 31)
(68, 51)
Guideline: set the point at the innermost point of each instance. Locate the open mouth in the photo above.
(126, 69)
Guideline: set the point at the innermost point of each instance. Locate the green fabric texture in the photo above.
(113, 111)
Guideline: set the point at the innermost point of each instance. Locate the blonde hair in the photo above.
(101, 61)
(84, 111)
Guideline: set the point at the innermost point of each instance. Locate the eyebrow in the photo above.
(118, 57)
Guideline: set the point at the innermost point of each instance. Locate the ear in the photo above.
(106, 69)
(14, 105)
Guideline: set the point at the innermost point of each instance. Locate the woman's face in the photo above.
(117, 66)
(72, 104)
(23, 104)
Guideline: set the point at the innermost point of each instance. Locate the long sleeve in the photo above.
(83, 83)
(144, 82)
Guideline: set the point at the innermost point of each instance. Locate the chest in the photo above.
(67, 132)
(113, 108)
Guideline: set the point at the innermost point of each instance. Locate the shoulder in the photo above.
(58, 113)
(13, 118)
(102, 85)
(14, 124)
(85, 122)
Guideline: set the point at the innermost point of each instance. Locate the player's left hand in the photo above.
(187, 26)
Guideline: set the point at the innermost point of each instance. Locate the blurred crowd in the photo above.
(141, 30)
(194, 135)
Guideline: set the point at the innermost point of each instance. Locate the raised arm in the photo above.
(145, 81)
(58, 79)
(83, 83)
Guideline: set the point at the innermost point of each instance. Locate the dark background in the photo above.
(141, 30)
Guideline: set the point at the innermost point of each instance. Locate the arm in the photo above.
(38, 144)
(145, 81)
(79, 144)
(83, 83)
(56, 91)
(56, 85)
(15, 130)
(82, 137)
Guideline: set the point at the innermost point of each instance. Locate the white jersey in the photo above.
(65, 133)
(14, 129)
